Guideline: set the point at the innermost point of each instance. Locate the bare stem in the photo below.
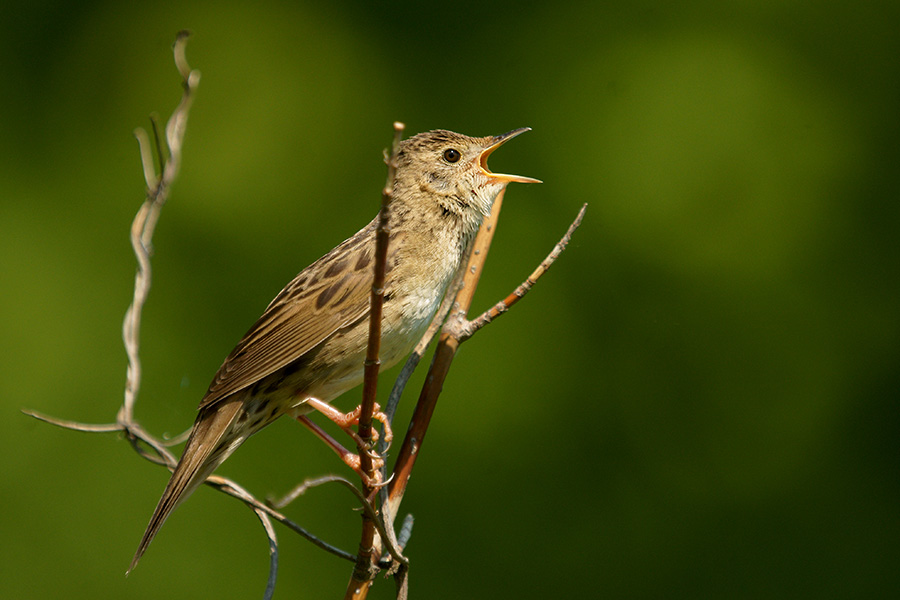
(440, 365)
(365, 569)
(456, 330)
(376, 302)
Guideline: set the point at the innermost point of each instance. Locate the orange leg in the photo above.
(345, 420)
(349, 458)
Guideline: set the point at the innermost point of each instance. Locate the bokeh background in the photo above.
(698, 401)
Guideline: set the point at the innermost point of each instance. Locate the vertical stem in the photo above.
(446, 349)
(364, 571)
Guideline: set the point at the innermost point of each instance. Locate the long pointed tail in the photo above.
(206, 448)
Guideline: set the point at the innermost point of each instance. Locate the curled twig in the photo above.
(142, 230)
(144, 223)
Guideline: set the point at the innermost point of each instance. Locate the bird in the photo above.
(309, 345)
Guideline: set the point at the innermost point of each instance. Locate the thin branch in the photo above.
(237, 491)
(300, 489)
(74, 425)
(471, 327)
(376, 302)
(364, 570)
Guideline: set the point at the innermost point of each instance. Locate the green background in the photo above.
(699, 400)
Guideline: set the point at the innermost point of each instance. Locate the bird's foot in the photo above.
(346, 420)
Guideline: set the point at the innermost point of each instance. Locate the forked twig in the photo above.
(368, 508)
(468, 328)
(456, 330)
(440, 365)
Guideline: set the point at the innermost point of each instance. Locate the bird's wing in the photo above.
(327, 296)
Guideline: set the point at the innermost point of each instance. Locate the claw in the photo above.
(344, 421)
(388, 432)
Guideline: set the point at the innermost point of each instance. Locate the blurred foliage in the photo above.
(699, 400)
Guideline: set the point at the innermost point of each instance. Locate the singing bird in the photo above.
(310, 342)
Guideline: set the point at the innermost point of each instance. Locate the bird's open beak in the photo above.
(496, 143)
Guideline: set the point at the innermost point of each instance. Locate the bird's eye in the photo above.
(451, 155)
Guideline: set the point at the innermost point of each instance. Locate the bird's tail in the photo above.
(208, 445)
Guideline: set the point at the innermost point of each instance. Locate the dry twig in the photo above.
(467, 329)
(365, 569)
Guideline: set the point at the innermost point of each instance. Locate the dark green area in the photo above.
(700, 400)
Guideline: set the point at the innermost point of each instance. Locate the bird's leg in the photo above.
(349, 458)
(345, 420)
